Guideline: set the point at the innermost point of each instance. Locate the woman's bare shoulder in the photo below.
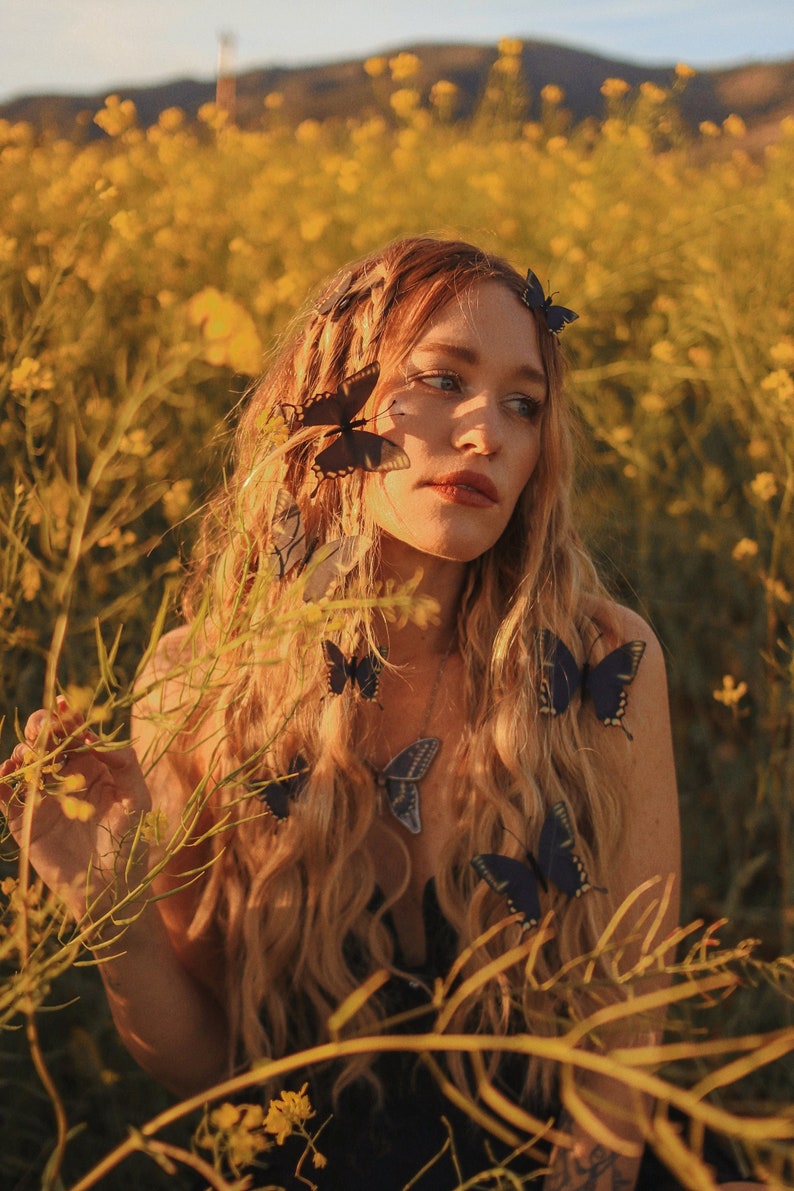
(176, 728)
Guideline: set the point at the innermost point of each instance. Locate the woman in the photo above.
(351, 778)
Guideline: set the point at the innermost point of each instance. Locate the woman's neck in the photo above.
(442, 580)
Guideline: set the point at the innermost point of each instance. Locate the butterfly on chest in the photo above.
(363, 673)
(605, 683)
(352, 447)
(554, 862)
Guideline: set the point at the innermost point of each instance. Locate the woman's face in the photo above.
(467, 406)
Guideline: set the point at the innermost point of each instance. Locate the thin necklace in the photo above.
(399, 780)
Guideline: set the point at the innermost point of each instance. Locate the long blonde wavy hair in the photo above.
(294, 899)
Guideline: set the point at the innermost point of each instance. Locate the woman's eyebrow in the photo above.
(470, 356)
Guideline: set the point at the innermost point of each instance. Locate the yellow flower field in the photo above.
(144, 278)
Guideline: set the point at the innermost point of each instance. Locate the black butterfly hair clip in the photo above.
(556, 316)
(291, 551)
(605, 683)
(279, 794)
(352, 446)
(555, 862)
(363, 672)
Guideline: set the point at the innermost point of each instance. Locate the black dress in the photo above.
(371, 1147)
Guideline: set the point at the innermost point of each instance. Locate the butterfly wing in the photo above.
(365, 672)
(560, 674)
(339, 669)
(558, 316)
(400, 780)
(287, 535)
(514, 881)
(331, 562)
(534, 294)
(279, 795)
(354, 449)
(606, 682)
(555, 855)
(340, 408)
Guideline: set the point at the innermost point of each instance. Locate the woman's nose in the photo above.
(477, 428)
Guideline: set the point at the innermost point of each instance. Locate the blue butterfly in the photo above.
(363, 672)
(605, 682)
(555, 862)
(556, 316)
(400, 780)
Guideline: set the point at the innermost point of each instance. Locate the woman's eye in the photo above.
(529, 408)
(446, 382)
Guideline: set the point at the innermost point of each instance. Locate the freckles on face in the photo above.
(467, 406)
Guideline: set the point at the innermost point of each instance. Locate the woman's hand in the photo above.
(84, 837)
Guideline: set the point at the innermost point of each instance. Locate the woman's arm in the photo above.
(162, 990)
(649, 847)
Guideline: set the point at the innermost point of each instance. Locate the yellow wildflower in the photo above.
(375, 67)
(652, 93)
(116, 116)
(510, 47)
(764, 486)
(224, 1117)
(274, 101)
(228, 330)
(552, 95)
(404, 66)
(734, 125)
(744, 548)
(319, 1160)
(614, 88)
(290, 1110)
(682, 71)
(731, 692)
(709, 128)
(782, 353)
(30, 377)
(404, 102)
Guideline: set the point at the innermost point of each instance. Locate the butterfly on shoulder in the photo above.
(534, 297)
(363, 672)
(325, 564)
(554, 862)
(400, 780)
(605, 683)
(278, 794)
(352, 447)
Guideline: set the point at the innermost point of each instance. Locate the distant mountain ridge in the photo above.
(761, 93)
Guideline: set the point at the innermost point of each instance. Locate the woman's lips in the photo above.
(466, 488)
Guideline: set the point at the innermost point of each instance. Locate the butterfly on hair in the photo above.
(278, 794)
(400, 780)
(554, 862)
(605, 683)
(363, 672)
(556, 316)
(353, 447)
(326, 564)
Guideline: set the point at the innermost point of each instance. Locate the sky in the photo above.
(90, 46)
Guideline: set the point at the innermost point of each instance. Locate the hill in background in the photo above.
(761, 93)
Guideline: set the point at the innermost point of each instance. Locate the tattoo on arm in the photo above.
(569, 1174)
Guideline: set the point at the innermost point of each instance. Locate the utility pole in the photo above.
(226, 81)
